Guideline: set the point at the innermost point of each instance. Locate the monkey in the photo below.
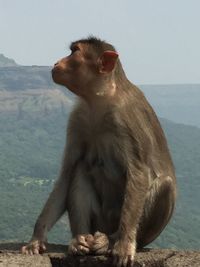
(117, 180)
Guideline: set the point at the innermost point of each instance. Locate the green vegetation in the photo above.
(182, 231)
(30, 156)
(32, 136)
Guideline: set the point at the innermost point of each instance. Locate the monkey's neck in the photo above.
(102, 94)
(107, 91)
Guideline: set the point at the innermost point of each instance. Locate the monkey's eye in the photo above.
(74, 49)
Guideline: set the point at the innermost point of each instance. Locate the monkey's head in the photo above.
(91, 62)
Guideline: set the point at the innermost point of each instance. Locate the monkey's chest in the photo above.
(103, 163)
(107, 176)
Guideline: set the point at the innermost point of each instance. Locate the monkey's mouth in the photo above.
(55, 73)
(54, 70)
(58, 76)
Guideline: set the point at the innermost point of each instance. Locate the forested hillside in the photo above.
(33, 118)
(179, 102)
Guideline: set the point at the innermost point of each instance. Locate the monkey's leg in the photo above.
(84, 210)
(158, 209)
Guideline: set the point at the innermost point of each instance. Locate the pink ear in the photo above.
(108, 61)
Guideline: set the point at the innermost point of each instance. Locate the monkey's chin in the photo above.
(57, 76)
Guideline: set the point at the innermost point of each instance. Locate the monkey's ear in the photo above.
(107, 61)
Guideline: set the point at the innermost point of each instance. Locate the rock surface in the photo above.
(10, 256)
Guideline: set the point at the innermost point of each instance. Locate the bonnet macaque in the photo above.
(117, 180)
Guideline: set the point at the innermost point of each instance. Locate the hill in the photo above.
(33, 119)
(179, 103)
(7, 62)
(30, 156)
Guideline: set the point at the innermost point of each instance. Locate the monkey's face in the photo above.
(76, 71)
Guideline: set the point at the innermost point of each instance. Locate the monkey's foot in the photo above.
(100, 243)
(34, 247)
(81, 245)
(123, 253)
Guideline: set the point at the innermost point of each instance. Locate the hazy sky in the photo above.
(158, 40)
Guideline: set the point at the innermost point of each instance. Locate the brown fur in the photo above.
(117, 180)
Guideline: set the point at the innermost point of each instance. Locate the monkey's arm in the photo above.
(134, 199)
(135, 192)
(53, 209)
(56, 204)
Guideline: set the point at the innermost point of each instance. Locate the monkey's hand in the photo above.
(123, 253)
(81, 245)
(100, 243)
(34, 247)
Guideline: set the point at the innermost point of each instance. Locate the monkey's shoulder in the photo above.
(117, 124)
(83, 119)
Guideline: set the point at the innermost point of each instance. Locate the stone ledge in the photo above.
(55, 257)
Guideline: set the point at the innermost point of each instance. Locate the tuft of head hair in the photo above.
(99, 45)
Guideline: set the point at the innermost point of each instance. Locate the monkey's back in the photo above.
(145, 129)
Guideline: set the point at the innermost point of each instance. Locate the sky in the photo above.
(158, 40)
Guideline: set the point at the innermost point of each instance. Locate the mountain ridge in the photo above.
(7, 62)
(33, 118)
(178, 103)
